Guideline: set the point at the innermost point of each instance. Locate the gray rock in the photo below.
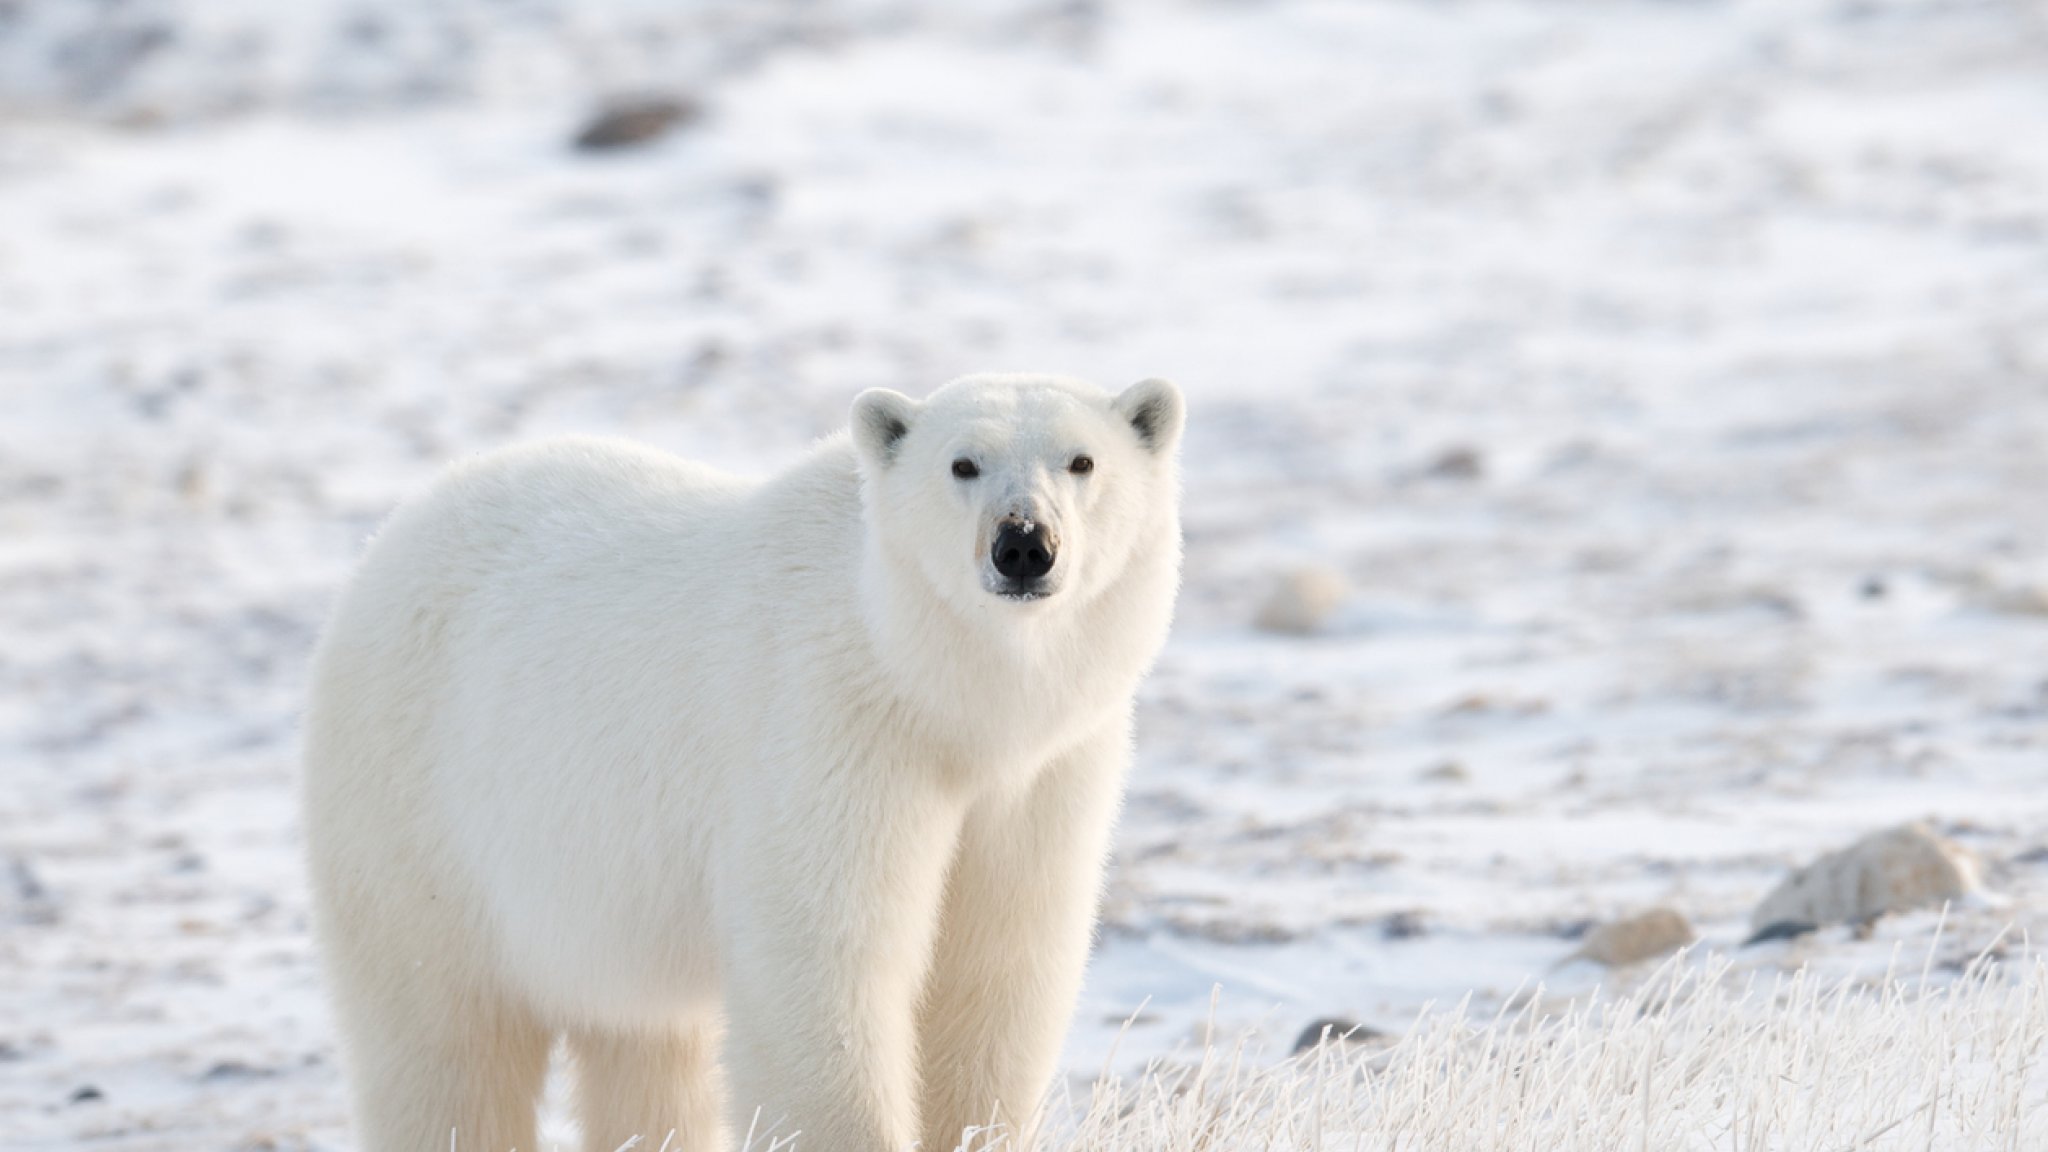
(1896, 870)
(1457, 463)
(1404, 925)
(1333, 1030)
(637, 120)
(1448, 772)
(1779, 930)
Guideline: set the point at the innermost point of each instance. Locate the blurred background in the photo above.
(1614, 479)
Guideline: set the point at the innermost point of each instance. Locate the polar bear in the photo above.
(786, 803)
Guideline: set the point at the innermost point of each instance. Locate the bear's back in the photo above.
(554, 499)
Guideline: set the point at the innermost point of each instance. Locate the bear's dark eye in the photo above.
(1082, 465)
(964, 469)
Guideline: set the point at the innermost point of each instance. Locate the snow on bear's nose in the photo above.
(1024, 550)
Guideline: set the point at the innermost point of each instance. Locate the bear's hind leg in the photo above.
(660, 1085)
(437, 1067)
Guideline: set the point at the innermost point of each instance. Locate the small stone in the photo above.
(25, 898)
(1302, 600)
(1896, 870)
(1405, 925)
(193, 482)
(2009, 595)
(1459, 463)
(1779, 930)
(1448, 772)
(235, 1070)
(1481, 704)
(1633, 939)
(1332, 1030)
(86, 1094)
(631, 121)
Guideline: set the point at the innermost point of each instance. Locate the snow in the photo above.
(1735, 312)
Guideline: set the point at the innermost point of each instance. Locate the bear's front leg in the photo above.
(1013, 940)
(830, 905)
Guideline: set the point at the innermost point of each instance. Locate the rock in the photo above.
(2004, 591)
(1333, 1030)
(2019, 600)
(1779, 930)
(1448, 772)
(636, 120)
(1480, 704)
(1405, 925)
(1458, 463)
(1302, 600)
(1633, 939)
(235, 1070)
(1891, 871)
(24, 898)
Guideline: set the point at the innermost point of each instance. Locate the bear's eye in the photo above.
(964, 469)
(1082, 465)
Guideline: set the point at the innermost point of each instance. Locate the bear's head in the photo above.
(1021, 494)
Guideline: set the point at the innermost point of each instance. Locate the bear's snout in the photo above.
(1024, 551)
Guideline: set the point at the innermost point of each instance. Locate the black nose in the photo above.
(1024, 551)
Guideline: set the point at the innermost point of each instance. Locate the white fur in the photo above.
(607, 744)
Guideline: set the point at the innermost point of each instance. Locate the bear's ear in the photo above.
(1155, 411)
(881, 419)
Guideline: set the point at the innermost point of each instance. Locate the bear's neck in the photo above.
(1007, 695)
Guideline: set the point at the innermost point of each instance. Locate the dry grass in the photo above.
(1691, 1060)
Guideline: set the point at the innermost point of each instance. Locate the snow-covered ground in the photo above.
(1670, 380)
